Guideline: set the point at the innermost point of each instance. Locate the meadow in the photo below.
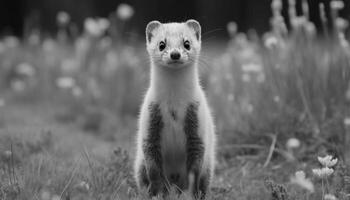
(69, 105)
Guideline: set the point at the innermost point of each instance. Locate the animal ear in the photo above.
(193, 24)
(150, 28)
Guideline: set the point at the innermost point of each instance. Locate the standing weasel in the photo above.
(175, 139)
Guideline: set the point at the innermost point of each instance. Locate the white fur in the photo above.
(174, 88)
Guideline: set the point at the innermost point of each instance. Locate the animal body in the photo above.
(175, 139)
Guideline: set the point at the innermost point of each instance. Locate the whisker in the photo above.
(212, 31)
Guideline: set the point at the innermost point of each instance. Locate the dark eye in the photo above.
(187, 45)
(162, 46)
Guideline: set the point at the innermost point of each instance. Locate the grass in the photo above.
(69, 107)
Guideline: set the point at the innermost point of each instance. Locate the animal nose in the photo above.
(175, 55)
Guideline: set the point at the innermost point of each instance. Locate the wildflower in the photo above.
(327, 161)
(276, 5)
(45, 195)
(293, 143)
(310, 28)
(7, 154)
(232, 28)
(337, 4)
(341, 24)
(271, 41)
(65, 82)
(96, 27)
(342, 40)
(62, 18)
(323, 172)
(125, 11)
(300, 179)
(11, 41)
(330, 197)
(299, 22)
(83, 186)
(25, 69)
(276, 99)
(252, 67)
(103, 24)
(48, 45)
(347, 121)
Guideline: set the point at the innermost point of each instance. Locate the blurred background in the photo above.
(73, 75)
(17, 16)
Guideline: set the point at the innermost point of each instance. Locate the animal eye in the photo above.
(187, 45)
(162, 46)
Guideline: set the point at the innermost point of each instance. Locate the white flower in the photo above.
(293, 143)
(96, 27)
(11, 41)
(301, 180)
(323, 172)
(299, 22)
(276, 99)
(25, 69)
(7, 154)
(271, 41)
(327, 161)
(125, 11)
(310, 28)
(341, 23)
(337, 4)
(45, 195)
(103, 23)
(232, 28)
(65, 82)
(48, 45)
(347, 121)
(62, 18)
(330, 197)
(251, 67)
(276, 5)
(84, 186)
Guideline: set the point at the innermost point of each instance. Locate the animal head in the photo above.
(174, 45)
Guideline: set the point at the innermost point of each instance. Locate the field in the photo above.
(69, 106)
